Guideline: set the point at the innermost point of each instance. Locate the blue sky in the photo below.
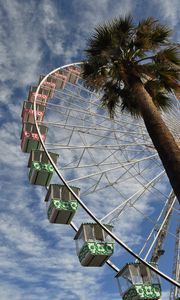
(38, 260)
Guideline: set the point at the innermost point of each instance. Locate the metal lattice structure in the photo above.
(175, 291)
(112, 162)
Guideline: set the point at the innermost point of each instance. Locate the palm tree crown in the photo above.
(120, 53)
(137, 68)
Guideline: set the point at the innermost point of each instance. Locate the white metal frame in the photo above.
(86, 209)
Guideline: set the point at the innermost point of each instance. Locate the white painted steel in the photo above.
(136, 151)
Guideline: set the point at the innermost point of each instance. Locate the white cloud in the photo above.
(170, 11)
(54, 27)
(165, 295)
(38, 259)
(20, 50)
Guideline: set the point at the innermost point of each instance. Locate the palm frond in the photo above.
(162, 101)
(129, 103)
(110, 37)
(169, 55)
(150, 34)
(110, 99)
(153, 87)
(100, 41)
(121, 31)
(93, 78)
(158, 94)
(122, 24)
(168, 77)
(160, 34)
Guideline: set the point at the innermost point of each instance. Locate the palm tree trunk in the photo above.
(161, 137)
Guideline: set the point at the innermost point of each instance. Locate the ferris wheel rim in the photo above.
(85, 208)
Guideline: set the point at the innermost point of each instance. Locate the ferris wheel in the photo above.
(113, 187)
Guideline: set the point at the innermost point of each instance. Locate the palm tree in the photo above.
(137, 68)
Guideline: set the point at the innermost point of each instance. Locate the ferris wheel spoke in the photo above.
(141, 169)
(119, 180)
(110, 183)
(90, 130)
(91, 113)
(110, 169)
(104, 146)
(118, 210)
(87, 128)
(172, 200)
(151, 222)
(140, 147)
(109, 159)
(152, 231)
(156, 223)
(81, 166)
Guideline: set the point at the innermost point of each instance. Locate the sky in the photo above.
(38, 260)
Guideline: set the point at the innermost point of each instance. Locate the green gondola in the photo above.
(136, 281)
(94, 246)
(63, 204)
(41, 170)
